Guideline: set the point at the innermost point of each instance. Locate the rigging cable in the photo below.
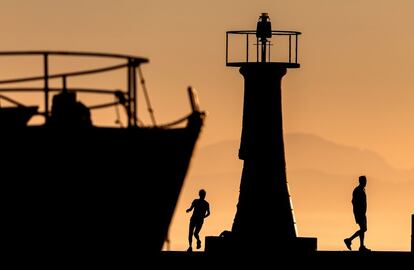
(147, 100)
(118, 117)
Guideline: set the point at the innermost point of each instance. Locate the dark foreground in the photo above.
(318, 259)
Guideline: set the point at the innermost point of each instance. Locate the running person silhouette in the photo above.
(201, 210)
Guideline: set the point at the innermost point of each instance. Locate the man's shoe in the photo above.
(190, 249)
(364, 249)
(198, 244)
(348, 243)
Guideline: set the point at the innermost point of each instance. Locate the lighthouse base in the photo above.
(227, 244)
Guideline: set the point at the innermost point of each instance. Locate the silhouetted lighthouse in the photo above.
(264, 215)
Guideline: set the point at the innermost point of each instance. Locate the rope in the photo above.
(12, 101)
(118, 120)
(147, 100)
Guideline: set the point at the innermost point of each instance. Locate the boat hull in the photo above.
(94, 192)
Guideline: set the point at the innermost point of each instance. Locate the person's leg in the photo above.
(190, 234)
(356, 234)
(361, 238)
(348, 241)
(363, 229)
(198, 227)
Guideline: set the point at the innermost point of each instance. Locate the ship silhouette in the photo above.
(77, 191)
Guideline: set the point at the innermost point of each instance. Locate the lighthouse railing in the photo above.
(243, 47)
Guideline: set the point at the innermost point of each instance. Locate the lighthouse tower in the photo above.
(264, 216)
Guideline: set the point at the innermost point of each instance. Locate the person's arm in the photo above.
(191, 207)
(208, 211)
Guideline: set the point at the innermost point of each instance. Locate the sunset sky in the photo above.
(355, 85)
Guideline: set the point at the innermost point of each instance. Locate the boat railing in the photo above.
(127, 98)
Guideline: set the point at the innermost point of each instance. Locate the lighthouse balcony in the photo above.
(246, 47)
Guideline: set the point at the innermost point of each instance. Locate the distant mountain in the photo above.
(307, 151)
(221, 157)
(304, 152)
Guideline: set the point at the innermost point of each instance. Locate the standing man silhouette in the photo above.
(201, 211)
(359, 204)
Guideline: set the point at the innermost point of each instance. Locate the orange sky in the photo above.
(354, 87)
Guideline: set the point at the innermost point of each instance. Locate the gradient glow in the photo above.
(354, 87)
